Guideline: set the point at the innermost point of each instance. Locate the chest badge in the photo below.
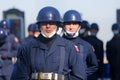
(76, 48)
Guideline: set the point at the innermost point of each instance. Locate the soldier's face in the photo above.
(48, 28)
(72, 27)
(94, 30)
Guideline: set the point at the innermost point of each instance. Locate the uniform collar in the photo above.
(58, 42)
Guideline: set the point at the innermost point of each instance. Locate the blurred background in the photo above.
(104, 12)
(24, 12)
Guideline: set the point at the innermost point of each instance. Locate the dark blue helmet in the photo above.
(3, 35)
(85, 24)
(33, 27)
(48, 14)
(115, 26)
(94, 26)
(72, 16)
(5, 23)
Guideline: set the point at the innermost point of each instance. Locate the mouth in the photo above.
(48, 31)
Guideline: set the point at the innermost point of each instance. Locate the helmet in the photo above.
(85, 24)
(72, 16)
(5, 23)
(31, 27)
(3, 35)
(94, 26)
(48, 14)
(115, 26)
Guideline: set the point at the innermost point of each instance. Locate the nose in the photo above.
(47, 25)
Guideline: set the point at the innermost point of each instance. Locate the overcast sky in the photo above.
(102, 12)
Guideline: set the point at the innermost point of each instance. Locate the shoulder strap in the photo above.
(33, 64)
(32, 55)
(62, 59)
(33, 51)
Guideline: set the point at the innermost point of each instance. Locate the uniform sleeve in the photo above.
(77, 65)
(92, 64)
(21, 69)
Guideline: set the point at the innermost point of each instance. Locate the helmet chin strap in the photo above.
(49, 36)
(72, 34)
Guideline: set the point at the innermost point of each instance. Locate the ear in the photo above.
(80, 26)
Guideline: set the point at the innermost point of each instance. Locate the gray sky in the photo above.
(102, 12)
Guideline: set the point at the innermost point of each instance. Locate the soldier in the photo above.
(36, 31)
(60, 29)
(33, 31)
(5, 23)
(113, 52)
(3, 36)
(98, 49)
(8, 50)
(49, 56)
(11, 38)
(72, 24)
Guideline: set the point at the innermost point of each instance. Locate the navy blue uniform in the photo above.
(48, 60)
(113, 55)
(98, 47)
(27, 39)
(89, 56)
(8, 50)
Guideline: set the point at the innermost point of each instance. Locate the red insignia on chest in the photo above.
(76, 48)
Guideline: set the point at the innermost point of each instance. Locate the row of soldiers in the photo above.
(112, 48)
(9, 45)
(92, 46)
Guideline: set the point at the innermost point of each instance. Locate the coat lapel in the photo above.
(54, 47)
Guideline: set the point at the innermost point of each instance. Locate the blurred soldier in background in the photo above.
(48, 57)
(84, 31)
(8, 50)
(3, 36)
(60, 30)
(5, 23)
(113, 52)
(98, 49)
(36, 30)
(72, 24)
(31, 28)
(33, 31)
